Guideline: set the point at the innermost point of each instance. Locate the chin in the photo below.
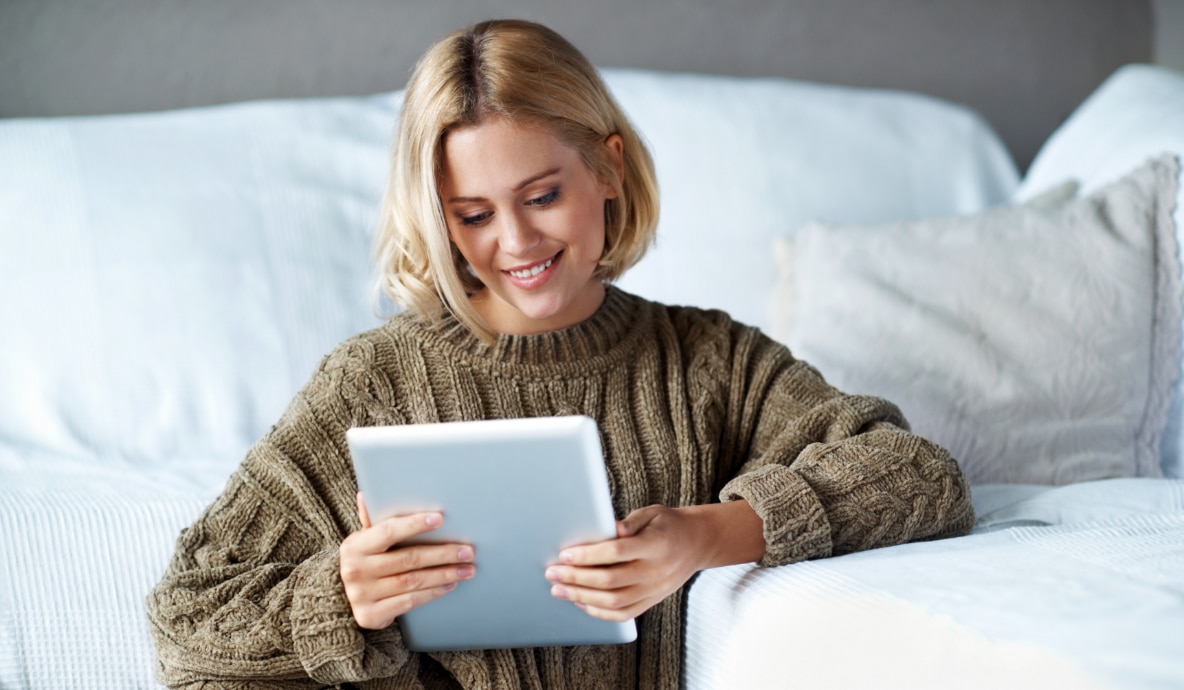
(542, 312)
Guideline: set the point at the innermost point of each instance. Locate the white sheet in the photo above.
(1080, 586)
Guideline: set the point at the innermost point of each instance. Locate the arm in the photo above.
(813, 472)
(830, 473)
(253, 593)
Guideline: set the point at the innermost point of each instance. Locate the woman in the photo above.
(518, 192)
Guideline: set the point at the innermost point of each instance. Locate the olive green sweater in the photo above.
(692, 408)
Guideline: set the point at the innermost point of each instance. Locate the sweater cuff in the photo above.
(325, 636)
(795, 524)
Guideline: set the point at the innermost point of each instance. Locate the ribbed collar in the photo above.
(596, 343)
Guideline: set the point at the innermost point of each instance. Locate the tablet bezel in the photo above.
(519, 490)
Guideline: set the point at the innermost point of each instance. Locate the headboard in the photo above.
(1024, 65)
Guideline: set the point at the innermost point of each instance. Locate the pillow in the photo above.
(1038, 343)
(176, 276)
(1135, 114)
(171, 279)
(741, 160)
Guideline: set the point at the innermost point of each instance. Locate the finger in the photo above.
(609, 600)
(607, 552)
(382, 614)
(637, 520)
(417, 557)
(618, 550)
(363, 514)
(418, 580)
(614, 615)
(598, 577)
(386, 533)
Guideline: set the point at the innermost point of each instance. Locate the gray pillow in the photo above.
(1038, 343)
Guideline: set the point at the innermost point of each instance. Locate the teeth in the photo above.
(531, 272)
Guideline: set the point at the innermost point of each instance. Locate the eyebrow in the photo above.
(518, 188)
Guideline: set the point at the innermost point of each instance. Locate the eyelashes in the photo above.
(543, 201)
(474, 219)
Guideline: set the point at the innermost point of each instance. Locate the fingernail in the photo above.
(559, 592)
(450, 586)
(582, 607)
(464, 554)
(552, 574)
(565, 556)
(465, 571)
(434, 520)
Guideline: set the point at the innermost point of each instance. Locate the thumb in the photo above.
(363, 514)
(635, 522)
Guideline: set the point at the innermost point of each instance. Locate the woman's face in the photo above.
(528, 216)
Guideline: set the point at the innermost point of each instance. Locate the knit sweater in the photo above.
(692, 408)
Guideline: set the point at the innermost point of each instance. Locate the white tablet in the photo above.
(519, 490)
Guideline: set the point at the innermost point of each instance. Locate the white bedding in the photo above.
(1080, 586)
(78, 554)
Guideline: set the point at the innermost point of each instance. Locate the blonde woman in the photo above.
(518, 192)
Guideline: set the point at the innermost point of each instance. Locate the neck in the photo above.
(507, 319)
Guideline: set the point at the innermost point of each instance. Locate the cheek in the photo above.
(475, 250)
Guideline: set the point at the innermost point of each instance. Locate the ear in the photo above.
(616, 153)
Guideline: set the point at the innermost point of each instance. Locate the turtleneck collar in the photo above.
(600, 340)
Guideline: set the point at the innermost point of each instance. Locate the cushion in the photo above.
(741, 160)
(1037, 342)
(171, 279)
(178, 275)
(1135, 114)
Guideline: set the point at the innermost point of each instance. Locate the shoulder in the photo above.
(714, 331)
(362, 371)
(377, 347)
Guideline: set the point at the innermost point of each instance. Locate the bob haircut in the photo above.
(526, 73)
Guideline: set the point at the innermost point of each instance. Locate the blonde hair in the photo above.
(523, 72)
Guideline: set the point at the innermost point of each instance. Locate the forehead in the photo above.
(499, 152)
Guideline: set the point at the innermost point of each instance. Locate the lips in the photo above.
(532, 275)
(533, 270)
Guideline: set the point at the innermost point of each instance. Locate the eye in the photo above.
(475, 219)
(545, 200)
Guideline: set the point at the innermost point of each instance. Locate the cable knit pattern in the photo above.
(691, 406)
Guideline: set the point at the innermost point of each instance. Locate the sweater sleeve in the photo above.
(253, 595)
(831, 473)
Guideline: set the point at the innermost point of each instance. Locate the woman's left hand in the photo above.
(657, 550)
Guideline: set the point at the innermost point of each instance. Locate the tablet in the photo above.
(519, 490)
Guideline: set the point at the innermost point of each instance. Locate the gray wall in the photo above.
(1023, 63)
(1169, 33)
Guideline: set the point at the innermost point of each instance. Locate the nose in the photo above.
(517, 236)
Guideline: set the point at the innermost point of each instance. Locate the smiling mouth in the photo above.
(533, 270)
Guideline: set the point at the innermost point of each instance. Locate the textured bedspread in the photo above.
(78, 554)
(1080, 586)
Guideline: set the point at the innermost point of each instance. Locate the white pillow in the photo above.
(1137, 113)
(1038, 343)
(741, 160)
(176, 276)
(171, 279)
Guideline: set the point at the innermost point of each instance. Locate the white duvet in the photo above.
(1080, 586)
(1074, 587)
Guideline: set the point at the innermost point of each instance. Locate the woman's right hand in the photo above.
(383, 582)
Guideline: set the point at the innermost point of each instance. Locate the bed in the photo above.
(169, 278)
